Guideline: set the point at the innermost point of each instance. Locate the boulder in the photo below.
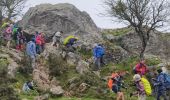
(64, 17)
(82, 67)
(41, 79)
(72, 58)
(57, 90)
(42, 97)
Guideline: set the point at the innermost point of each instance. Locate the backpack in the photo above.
(147, 86)
(167, 80)
(110, 81)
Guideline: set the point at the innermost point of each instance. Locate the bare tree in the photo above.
(12, 8)
(143, 15)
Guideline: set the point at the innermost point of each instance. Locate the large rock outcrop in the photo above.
(158, 45)
(64, 17)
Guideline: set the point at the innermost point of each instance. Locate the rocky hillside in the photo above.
(61, 74)
(126, 38)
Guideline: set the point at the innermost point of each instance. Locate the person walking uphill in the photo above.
(160, 84)
(98, 52)
(69, 42)
(115, 84)
(38, 41)
(57, 39)
(21, 39)
(8, 35)
(31, 51)
(140, 88)
(141, 68)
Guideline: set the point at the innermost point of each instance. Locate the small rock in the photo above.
(83, 87)
(42, 97)
(82, 67)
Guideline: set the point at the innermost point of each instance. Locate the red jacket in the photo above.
(38, 39)
(141, 69)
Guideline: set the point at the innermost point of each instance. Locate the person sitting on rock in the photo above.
(57, 39)
(28, 86)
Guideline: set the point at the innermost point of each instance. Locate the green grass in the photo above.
(117, 32)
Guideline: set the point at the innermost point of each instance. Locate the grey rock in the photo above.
(57, 90)
(42, 97)
(72, 58)
(50, 18)
(82, 67)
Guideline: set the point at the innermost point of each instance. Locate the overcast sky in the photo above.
(92, 7)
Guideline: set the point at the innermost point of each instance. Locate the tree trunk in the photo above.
(142, 52)
(1, 17)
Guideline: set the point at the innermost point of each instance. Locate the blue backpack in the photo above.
(167, 80)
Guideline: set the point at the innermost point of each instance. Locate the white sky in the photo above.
(92, 7)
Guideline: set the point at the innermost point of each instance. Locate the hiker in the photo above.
(38, 41)
(43, 41)
(102, 55)
(31, 51)
(161, 85)
(21, 39)
(57, 39)
(97, 54)
(141, 68)
(69, 42)
(15, 31)
(28, 86)
(140, 88)
(8, 35)
(115, 84)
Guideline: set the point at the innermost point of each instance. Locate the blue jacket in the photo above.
(98, 51)
(31, 49)
(161, 82)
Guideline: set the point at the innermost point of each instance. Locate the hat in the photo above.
(136, 77)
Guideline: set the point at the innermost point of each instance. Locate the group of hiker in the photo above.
(160, 83)
(36, 43)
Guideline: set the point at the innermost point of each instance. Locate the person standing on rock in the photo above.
(21, 39)
(31, 51)
(8, 35)
(102, 53)
(161, 86)
(57, 39)
(97, 54)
